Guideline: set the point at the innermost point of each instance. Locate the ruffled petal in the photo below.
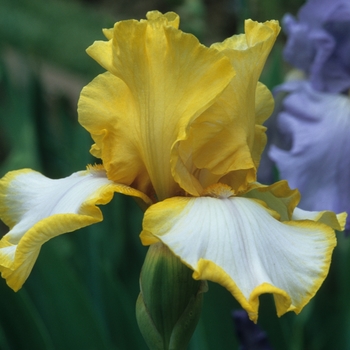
(237, 243)
(37, 209)
(278, 197)
(336, 221)
(102, 51)
(316, 43)
(315, 159)
(225, 138)
(283, 200)
(103, 107)
(160, 80)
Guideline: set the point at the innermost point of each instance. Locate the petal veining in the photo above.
(161, 80)
(37, 209)
(237, 243)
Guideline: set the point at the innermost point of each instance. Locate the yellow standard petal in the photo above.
(238, 243)
(228, 137)
(160, 80)
(37, 209)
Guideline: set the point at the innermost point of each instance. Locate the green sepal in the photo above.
(148, 329)
(187, 323)
(169, 305)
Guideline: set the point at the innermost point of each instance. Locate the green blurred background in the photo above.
(82, 291)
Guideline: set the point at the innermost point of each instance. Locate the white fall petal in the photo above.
(237, 243)
(37, 209)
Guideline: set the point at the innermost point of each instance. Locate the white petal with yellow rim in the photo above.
(237, 243)
(37, 209)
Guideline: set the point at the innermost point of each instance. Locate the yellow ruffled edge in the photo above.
(208, 270)
(336, 221)
(171, 18)
(120, 188)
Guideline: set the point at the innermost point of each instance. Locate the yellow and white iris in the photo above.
(179, 125)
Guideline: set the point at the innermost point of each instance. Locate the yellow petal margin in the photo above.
(228, 137)
(160, 79)
(336, 221)
(37, 209)
(237, 243)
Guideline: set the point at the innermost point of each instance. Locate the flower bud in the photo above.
(170, 301)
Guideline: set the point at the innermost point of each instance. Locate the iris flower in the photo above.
(179, 126)
(311, 146)
(319, 43)
(309, 141)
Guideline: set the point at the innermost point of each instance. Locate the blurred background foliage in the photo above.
(82, 291)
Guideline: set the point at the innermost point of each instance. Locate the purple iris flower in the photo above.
(311, 146)
(250, 336)
(318, 42)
